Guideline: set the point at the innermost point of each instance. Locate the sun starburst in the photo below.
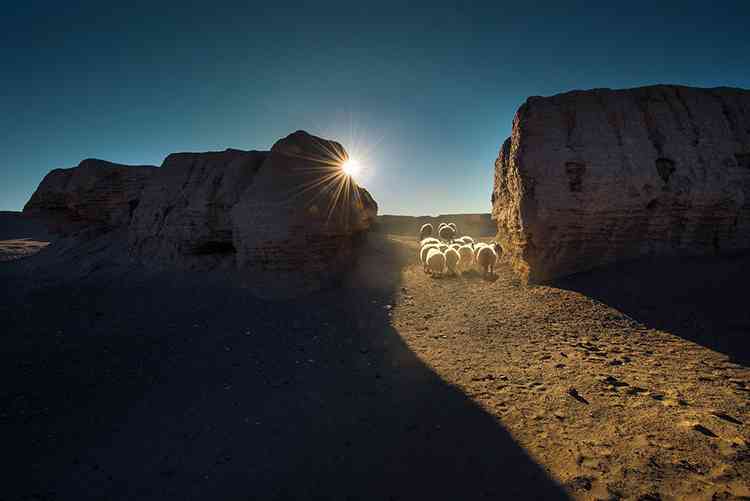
(351, 167)
(330, 186)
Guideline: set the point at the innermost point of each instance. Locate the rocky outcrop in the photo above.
(286, 222)
(297, 226)
(184, 217)
(593, 177)
(94, 192)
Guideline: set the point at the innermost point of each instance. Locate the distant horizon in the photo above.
(426, 96)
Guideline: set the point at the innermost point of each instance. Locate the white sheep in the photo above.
(435, 261)
(429, 240)
(455, 229)
(467, 256)
(423, 254)
(486, 258)
(446, 233)
(452, 260)
(466, 239)
(425, 231)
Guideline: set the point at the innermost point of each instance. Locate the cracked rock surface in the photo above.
(594, 177)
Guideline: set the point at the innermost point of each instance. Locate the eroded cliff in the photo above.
(593, 177)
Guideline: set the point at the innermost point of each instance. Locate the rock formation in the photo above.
(593, 177)
(288, 219)
(297, 224)
(94, 192)
(184, 217)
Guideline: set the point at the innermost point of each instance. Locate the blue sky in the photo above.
(429, 89)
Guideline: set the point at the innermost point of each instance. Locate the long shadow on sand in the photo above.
(703, 300)
(166, 387)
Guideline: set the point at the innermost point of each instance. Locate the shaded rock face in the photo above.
(593, 177)
(184, 217)
(298, 224)
(94, 192)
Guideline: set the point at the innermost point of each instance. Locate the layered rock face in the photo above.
(593, 177)
(288, 220)
(184, 217)
(95, 191)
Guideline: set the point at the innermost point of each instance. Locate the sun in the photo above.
(351, 167)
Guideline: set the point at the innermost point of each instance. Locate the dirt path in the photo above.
(608, 406)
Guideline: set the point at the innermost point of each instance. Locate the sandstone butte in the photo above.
(589, 178)
(288, 218)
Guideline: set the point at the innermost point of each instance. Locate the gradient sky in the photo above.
(431, 90)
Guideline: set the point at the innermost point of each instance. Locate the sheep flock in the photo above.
(445, 253)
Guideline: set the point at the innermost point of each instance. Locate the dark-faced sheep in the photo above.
(425, 231)
(446, 233)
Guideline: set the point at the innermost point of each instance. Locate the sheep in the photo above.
(446, 233)
(435, 261)
(452, 260)
(429, 240)
(425, 231)
(467, 256)
(466, 239)
(423, 254)
(453, 226)
(486, 258)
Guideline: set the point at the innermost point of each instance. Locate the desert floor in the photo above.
(122, 383)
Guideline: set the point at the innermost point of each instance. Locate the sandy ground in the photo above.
(631, 383)
(608, 405)
(19, 248)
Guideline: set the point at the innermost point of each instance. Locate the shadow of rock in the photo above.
(168, 386)
(703, 300)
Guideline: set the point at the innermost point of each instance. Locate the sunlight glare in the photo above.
(350, 167)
